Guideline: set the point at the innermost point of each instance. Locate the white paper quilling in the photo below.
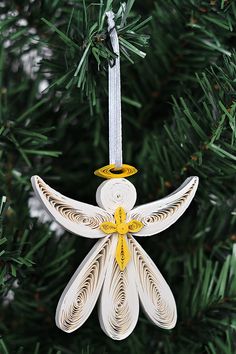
(117, 268)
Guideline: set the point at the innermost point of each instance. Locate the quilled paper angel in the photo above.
(117, 270)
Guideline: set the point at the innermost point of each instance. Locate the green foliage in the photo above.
(178, 120)
(88, 49)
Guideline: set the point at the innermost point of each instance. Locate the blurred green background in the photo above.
(178, 108)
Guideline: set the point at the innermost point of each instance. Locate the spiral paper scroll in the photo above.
(159, 215)
(81, 294)
(80, 218)
(119, 303)
(116, 193)
(154, 293)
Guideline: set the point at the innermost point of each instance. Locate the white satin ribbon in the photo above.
(114, 92)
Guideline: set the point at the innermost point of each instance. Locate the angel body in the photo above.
(117, 270)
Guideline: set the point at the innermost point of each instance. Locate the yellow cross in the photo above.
(122, 228)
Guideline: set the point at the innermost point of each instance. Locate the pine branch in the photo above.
(87, 49)
(202, 131)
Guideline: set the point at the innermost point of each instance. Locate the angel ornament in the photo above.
(117, 270)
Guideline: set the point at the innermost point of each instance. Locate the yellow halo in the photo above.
(110, 171)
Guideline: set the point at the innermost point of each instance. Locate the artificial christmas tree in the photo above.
(178, 120)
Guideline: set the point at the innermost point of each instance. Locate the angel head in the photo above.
(117, 270)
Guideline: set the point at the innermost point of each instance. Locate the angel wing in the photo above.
(119, 303)
(155, 295)
(77, 217)
(80, 295)
(159, 215)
